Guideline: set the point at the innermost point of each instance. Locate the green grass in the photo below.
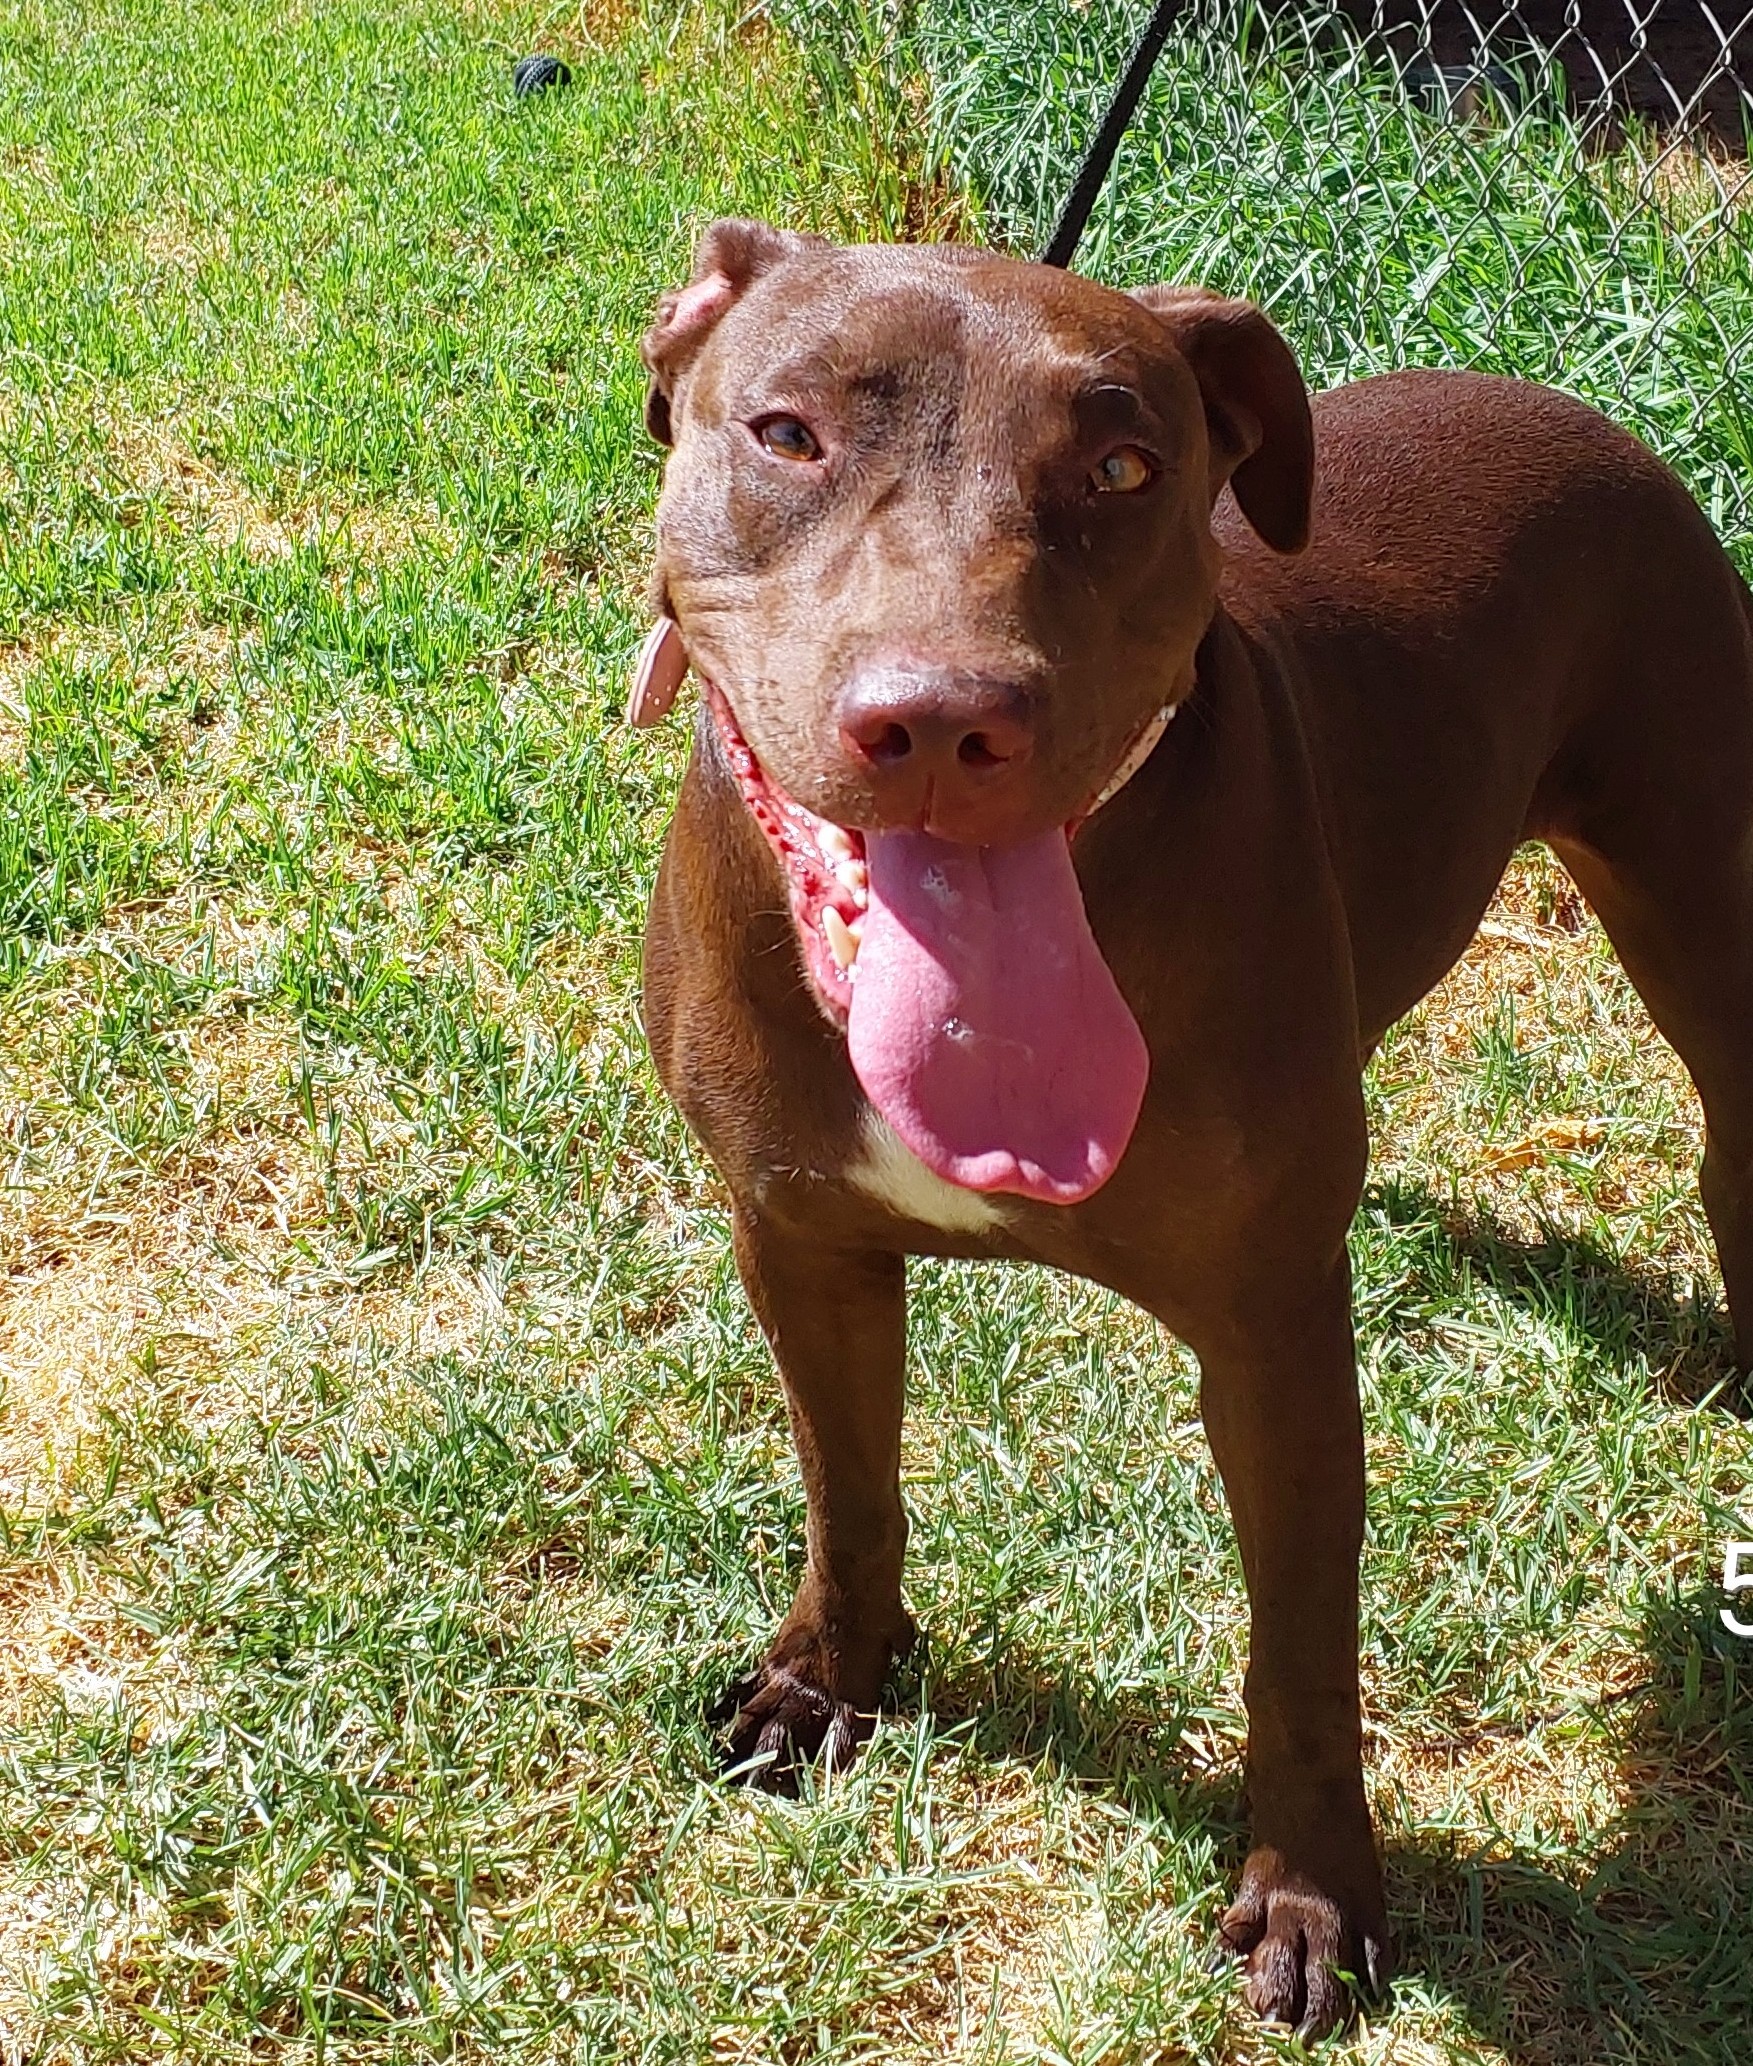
(389, 1472)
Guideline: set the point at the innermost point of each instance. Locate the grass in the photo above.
(389, 1472)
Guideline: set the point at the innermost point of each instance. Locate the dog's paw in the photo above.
(779, 1722)
(805, 1702)
(1310, 1954)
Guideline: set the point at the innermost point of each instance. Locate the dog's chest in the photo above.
(892, 1176)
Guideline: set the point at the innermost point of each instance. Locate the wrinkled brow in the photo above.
(828, 372)
(1111, 402)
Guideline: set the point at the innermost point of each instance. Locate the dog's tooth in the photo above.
(842, 940)
(835, 842)
(854, 878)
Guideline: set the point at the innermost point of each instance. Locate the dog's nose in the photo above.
(933, 741)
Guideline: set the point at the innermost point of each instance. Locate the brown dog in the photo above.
(943, 536)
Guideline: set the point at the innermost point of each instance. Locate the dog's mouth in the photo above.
(826, 877)
(981, 1019)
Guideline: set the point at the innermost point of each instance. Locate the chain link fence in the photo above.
(1558, 189)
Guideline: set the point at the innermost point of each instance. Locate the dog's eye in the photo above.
(1125, 470)
(786, 438)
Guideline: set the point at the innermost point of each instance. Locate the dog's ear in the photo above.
(1256, 407)
(729, 257)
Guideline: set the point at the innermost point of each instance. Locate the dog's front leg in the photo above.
(1280, 1403)
(836, 1320)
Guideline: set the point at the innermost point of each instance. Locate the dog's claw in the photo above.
(1377, 1977)
(779, 1722)
(730, 1702)
(1301, 1947)
(840, 1746)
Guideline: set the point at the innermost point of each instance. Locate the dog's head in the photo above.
(936, 530)
(937, 523)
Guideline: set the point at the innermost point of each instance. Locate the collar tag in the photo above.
(657, 674)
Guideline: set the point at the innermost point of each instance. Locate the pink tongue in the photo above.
(985, 1025)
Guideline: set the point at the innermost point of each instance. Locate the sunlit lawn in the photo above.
(389, 1472)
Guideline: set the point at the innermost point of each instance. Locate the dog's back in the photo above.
(1507, 601)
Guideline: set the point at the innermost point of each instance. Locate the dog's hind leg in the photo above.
(1663, 850)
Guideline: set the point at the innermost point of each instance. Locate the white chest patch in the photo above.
(894, 1176)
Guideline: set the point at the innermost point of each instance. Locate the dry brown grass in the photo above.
(1692, 178)
(1540, 951)
(126, 1285)
(152, 456)
(17, 661)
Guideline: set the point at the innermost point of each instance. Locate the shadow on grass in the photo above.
(1638, 1943)
(1134, 1747)
(1627, 1940)
(1635, 1944)
(1627, 1313)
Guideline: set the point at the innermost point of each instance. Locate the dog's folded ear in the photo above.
(729, 257)
(1256, 407)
